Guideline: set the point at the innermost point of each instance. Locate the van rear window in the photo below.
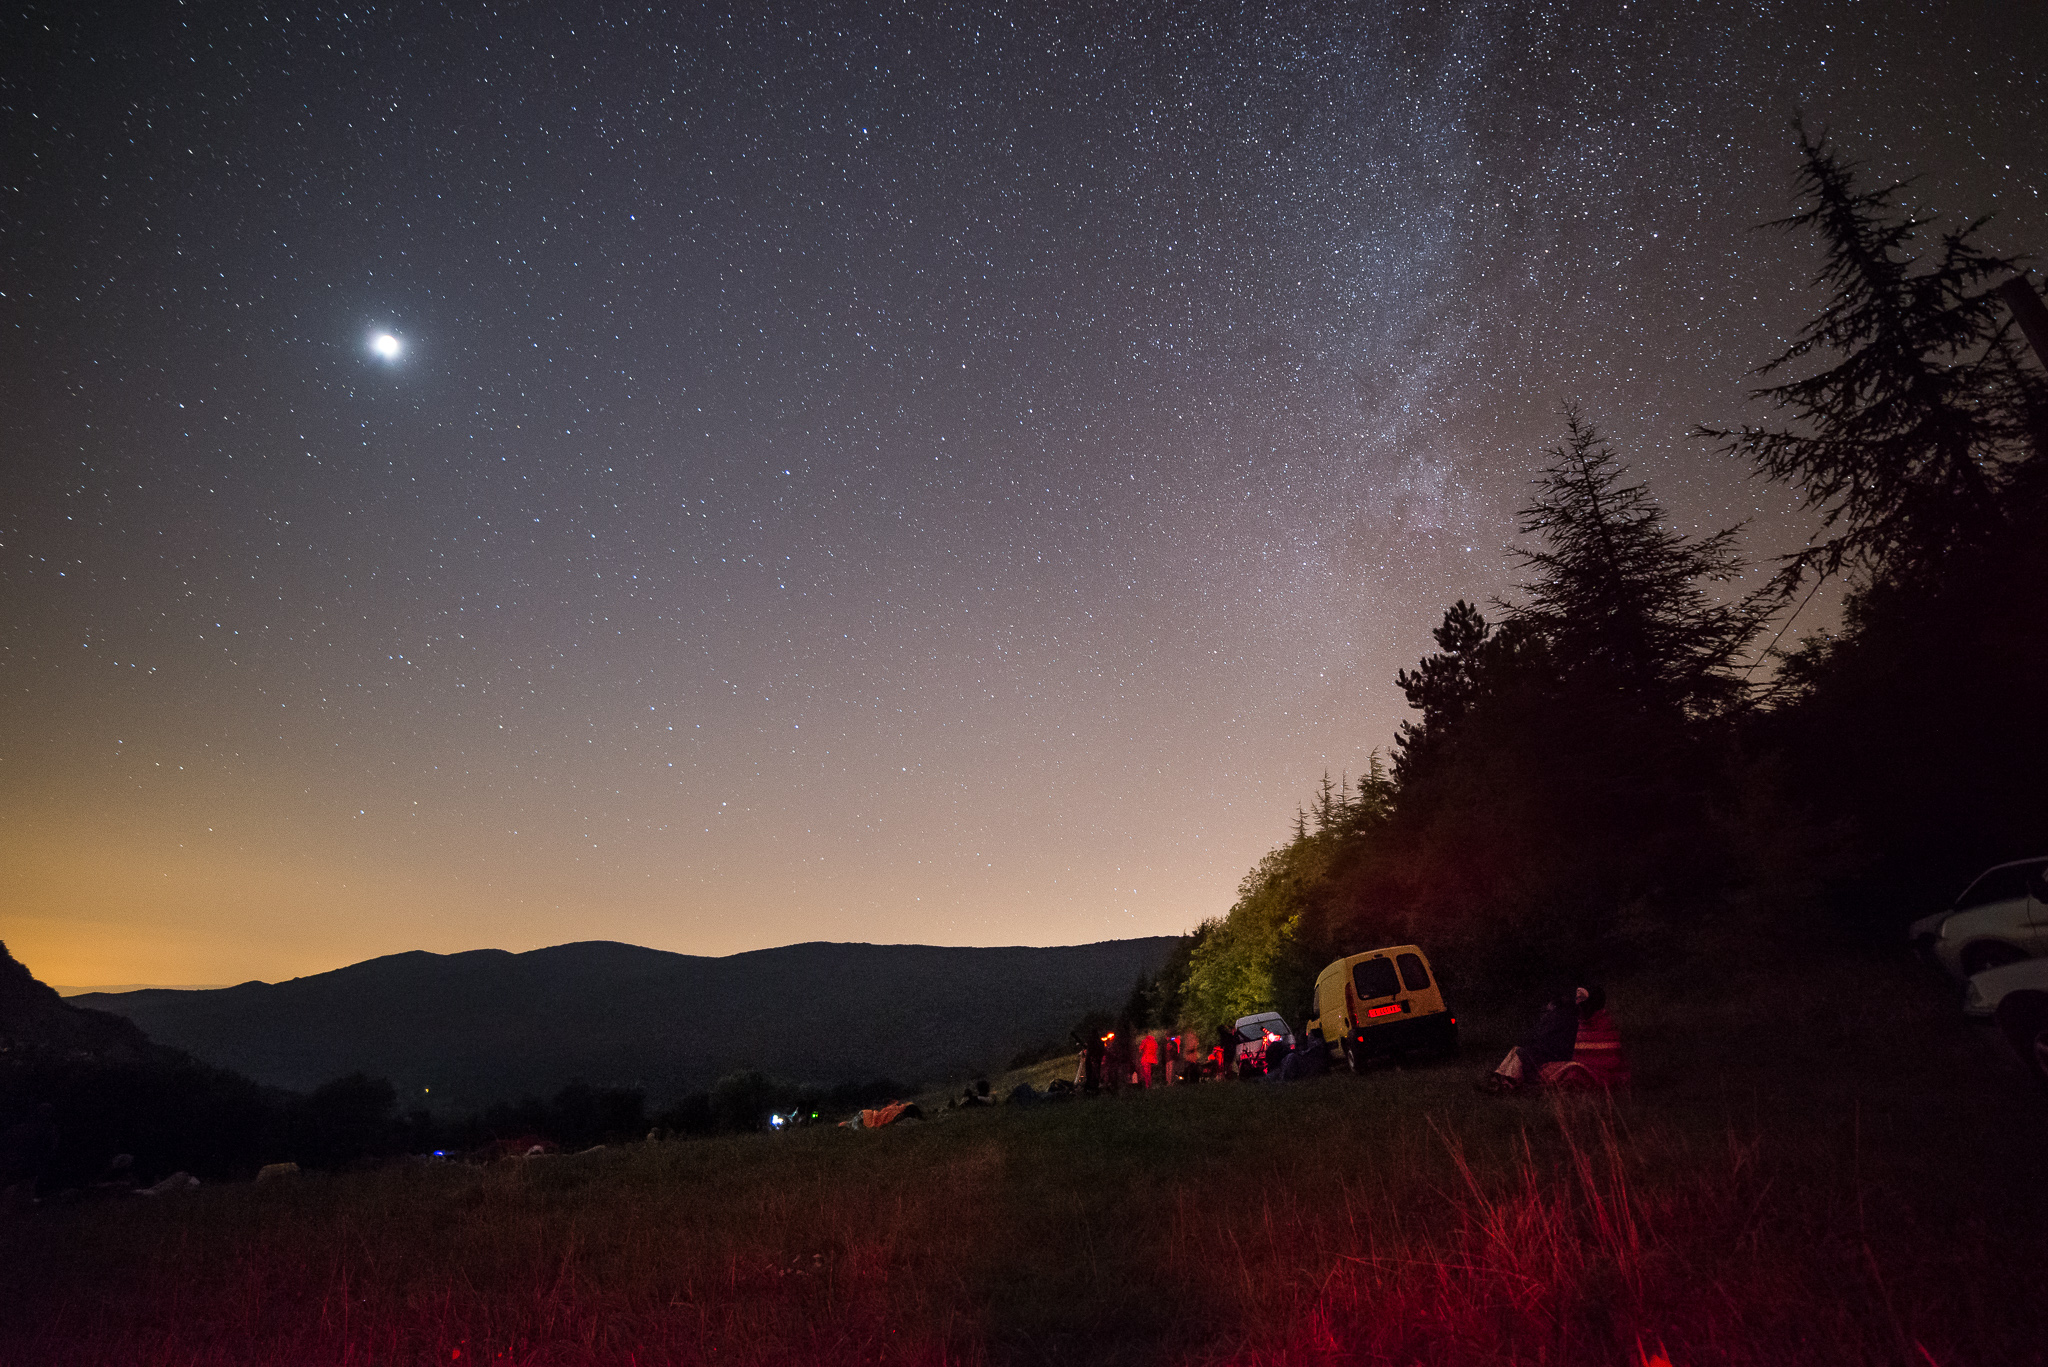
(1414, 974)
(1375, 978)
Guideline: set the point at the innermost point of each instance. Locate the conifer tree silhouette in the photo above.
(1619, 595)
(1907, 440)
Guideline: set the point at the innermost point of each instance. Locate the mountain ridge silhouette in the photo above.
(463, 1030)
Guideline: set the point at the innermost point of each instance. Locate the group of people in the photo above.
(1574, 1044)
(1111, 1060)
(1119, 1058)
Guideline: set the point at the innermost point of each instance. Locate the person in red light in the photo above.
(1122, 1058)
(1575, 1044)
(1597, 1059)
(1148, 1060)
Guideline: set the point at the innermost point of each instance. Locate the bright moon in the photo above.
(385, 345)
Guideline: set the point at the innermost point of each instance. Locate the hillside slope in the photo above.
(457, 1031)
(37, 1025)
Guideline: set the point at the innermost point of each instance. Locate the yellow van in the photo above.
(1384, 1002)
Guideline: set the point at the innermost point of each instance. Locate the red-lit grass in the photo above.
(655, 1254)
(1578, 1251)
(1819, 1166)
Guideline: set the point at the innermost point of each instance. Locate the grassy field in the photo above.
(1820, 1164)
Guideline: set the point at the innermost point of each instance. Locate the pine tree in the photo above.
(1326, 805)
(1617, 594)
(1441, 686)
(1907, 441)
(1375, 801)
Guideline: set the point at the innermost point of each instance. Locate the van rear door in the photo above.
(1374, 985)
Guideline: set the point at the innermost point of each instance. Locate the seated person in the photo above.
(1550, 1044)
(1311, 1057)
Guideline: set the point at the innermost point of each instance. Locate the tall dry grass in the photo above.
(1601, 1246)
(660, 1254)
(1224, 1224)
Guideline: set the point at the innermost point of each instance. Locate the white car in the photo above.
(2015, 997)
(2001, 918)
(1253, 1034)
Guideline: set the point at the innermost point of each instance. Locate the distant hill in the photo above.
(108, 1089)
(460, 1031)
(36, 1024)
(79, 990)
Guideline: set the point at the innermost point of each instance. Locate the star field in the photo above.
(953, 474)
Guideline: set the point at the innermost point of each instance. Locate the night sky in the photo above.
(952, 474)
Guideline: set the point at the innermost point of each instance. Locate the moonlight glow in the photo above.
(386, 346)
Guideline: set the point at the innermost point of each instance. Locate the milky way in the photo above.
(944, 474)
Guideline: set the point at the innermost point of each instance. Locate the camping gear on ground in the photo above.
(875, 1117)
(1310, 1059)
